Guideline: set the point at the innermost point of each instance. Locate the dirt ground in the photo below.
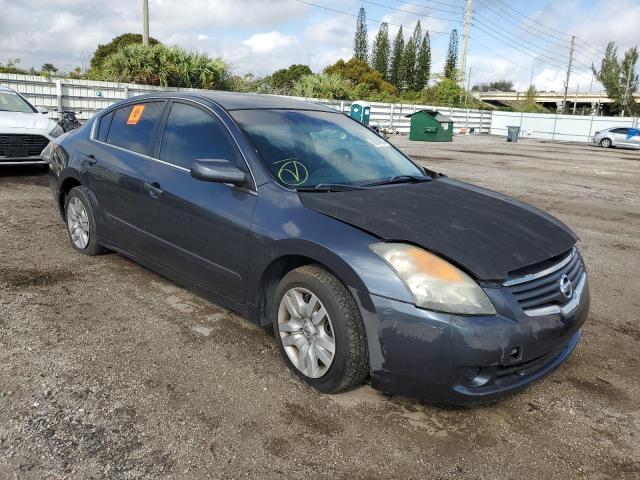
(110, 371)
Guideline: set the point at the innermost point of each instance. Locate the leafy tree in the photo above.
(381, 51)
(500, 85)
(395, 73)
(358, 72)
(360, 47)
(325, 85)
(614, 76)
(12, 67)
(48, 68)
(423, 64)
(103, 51)
(451, 62)
(282, 80)
(165, 66)
(447, 92)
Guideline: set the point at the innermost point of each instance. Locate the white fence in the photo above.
(556, 127)
(89, 97)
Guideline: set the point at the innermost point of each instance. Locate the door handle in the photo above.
(153, 189)
(89, 159)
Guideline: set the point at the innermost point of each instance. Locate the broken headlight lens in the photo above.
(434, 283)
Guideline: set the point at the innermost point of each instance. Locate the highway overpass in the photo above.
(583, 101)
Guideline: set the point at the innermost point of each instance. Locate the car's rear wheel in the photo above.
(319, 330)
(605, 142)
(81, 222)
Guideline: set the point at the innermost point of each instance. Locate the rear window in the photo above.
(133, 127)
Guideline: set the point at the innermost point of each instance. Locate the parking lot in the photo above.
(111, 371)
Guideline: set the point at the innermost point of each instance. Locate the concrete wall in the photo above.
(89, 97)
(556, 127)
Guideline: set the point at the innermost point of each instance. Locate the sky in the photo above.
(508, 38)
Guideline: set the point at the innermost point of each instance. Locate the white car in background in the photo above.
(24, 130)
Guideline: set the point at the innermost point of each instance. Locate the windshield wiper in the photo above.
(400, 179)
(330, 187)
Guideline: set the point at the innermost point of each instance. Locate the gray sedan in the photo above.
(618, 137)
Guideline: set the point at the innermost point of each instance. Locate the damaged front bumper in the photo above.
(463, 359)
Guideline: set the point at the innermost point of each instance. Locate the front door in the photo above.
(199, 229)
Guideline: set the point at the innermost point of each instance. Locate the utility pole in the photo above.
(468, 15)
(566, 83)
(145, 22)
(626, 90)
(533, 64)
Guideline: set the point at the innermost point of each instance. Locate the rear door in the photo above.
(198, 229)
(620, 136)
(124, 140)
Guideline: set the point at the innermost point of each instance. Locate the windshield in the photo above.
(12, 102)
(310, 148)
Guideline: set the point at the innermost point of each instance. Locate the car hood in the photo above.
(14, 121)
(486, 233)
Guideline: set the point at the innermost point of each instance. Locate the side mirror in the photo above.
(218, 171)
(42, 110)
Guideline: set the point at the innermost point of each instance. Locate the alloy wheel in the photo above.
(306, 332)
(78, 223)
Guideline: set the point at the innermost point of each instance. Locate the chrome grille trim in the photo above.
(565, 310)
(542, 273)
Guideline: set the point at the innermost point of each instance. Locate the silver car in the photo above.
(618, 137)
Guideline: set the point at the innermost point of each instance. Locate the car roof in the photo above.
(245, 101)
(6, 89)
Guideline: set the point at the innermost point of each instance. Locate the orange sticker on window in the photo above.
(135, 115)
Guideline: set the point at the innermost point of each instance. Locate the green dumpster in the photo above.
(430, 126)
(361, 111)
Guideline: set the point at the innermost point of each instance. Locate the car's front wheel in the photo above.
(81, 222)
(605, 142)
(319, 330)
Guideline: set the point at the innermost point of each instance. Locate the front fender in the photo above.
(283, 226)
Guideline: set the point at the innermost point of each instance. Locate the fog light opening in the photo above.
(474, 377)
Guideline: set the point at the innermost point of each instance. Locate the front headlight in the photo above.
(56, 132)
(434, 283)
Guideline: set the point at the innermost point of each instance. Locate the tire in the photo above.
(605, 143)
(349, 362)
(81, 222)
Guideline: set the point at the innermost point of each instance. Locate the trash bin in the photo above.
(512, 133)
(430, 126)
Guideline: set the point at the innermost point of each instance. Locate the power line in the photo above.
(518, 23)
(368, 19)
(532, 20)
(537, 57)
(496, 26)
(412, 13)
(496, 53)
(428, 7)
(534, 46)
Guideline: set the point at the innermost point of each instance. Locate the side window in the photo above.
(620, 130)
(191, 134)
(103, 127)
(133, 126)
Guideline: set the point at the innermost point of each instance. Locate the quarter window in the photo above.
(133, 126)
(103, 128)
(191, 134)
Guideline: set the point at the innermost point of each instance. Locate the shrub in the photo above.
(164, 66)
(330, 86)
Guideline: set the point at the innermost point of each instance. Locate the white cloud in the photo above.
(268, 42)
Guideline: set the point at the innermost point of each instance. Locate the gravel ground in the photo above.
(109, 371)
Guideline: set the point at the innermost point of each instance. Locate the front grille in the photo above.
(542, 289)
(20, 146)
